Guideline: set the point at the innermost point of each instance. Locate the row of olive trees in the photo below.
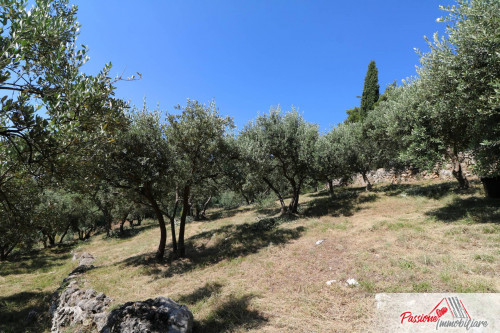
(90, 161)
(450, 112)
(166, 164)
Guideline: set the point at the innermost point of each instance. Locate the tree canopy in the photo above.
(74, 159)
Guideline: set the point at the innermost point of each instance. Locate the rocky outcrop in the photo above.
(73, 308)
(153, 315)
(83, 307)
(84, 258)
(85, 261)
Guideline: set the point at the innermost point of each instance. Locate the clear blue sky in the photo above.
(250, 55)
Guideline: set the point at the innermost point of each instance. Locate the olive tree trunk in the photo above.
(278, 194)
(367, 181)
(64, 234)
(457, 172)
(163, 230)
(185, 209)
(5, 251)
(330, 186)
(172, 223)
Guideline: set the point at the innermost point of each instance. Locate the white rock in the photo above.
(329, 283)
(352, 282)
(320, 241)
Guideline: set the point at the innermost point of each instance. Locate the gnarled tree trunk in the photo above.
(5, 251)
(122, 222)
(52, 240)
(294, 203)
(278, 194)
(367, 181)
(246, 198)
(457, 159)
(163, 230)
(185, 209)
(172, 223)
(459, 175)
(204, 208)
(330, 186)
(64, 234)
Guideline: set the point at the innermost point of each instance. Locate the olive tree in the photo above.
(279, 148)
(198, 139)
(401, 127)
(40, 69)
(460, 75)
(333, 158)
(140, 161)
(53, 215)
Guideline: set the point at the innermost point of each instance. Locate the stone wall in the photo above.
(74, 308)
(389, 176)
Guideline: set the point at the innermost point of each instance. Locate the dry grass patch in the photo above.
(249, 270)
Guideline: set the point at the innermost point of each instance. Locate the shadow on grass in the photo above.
(224, 213)
(344, 202)
(228, 242)
(432, 191)
(203, 293)
(25, 312)
(132, 232)
(233, 314)
(322, 193)
(474, 209)
(229, 314)
(36, 260)
(268, 211)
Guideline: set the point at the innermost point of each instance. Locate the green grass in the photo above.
(484, 257)
(27, 283)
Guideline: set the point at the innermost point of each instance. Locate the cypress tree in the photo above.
(370, 90)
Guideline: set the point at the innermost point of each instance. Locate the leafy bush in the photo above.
(228, 200)
(265, 201)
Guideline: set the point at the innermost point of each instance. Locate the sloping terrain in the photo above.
(249, 269)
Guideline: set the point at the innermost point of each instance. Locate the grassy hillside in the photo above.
(248, 269)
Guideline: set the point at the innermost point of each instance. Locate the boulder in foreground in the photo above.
(153, 315)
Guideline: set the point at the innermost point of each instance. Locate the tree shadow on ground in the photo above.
(129, 232)
(200, 294)
(321, 193)
(233, 314)
(225, 213)
(268, 211)
(473, 209)
(343, 202)
(432, 191)
(225, 243)
(36, 260)
(25, 312)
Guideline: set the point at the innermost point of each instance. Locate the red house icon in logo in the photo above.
(451, 305)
